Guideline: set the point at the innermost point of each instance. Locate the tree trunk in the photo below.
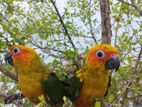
(105, 22)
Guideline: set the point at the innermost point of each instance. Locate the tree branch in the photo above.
(63, 24)
(8, 73)
(105, 22)
(90, 24)
(138, 59)
(132, 5)
(6, 39)
(4, 95)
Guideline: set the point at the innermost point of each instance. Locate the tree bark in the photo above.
(105, 22)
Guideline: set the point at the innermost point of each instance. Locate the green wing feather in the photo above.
(74, 88)
(109, 83)
(54, 88)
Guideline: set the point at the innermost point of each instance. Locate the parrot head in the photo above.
(19, 54)
(103, 56)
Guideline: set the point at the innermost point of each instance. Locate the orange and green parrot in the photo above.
(34, 78)
(91, 81)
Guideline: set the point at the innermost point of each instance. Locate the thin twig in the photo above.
(116, 35)
(138, 59)
(90, 24)
(63, 24)
(6, 39)
(132, 5)
(47, 48)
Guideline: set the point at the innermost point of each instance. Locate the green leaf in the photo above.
(97, 104)
(111, 98)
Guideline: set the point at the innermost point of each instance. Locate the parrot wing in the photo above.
(74, 88)
(109, 83)
(54, 88)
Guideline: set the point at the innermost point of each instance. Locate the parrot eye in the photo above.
(100, 54)
(16, 50)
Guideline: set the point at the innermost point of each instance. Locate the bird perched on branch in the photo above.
(91, 82)
(34, 78)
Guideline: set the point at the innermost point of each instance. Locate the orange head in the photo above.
(103, 56)
(20, 54)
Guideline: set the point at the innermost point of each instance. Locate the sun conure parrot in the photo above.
(34, 78)
(92, 81)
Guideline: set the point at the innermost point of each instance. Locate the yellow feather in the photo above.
(94, 76)
(31, 71)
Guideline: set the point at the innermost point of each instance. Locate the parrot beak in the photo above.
(113, 63)
(8, 58)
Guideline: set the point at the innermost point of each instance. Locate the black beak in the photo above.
(8, 58)
(113, 63)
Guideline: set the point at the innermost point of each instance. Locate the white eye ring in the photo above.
(16, 50)
(100, 54)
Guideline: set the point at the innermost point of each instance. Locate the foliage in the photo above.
(37, 24)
